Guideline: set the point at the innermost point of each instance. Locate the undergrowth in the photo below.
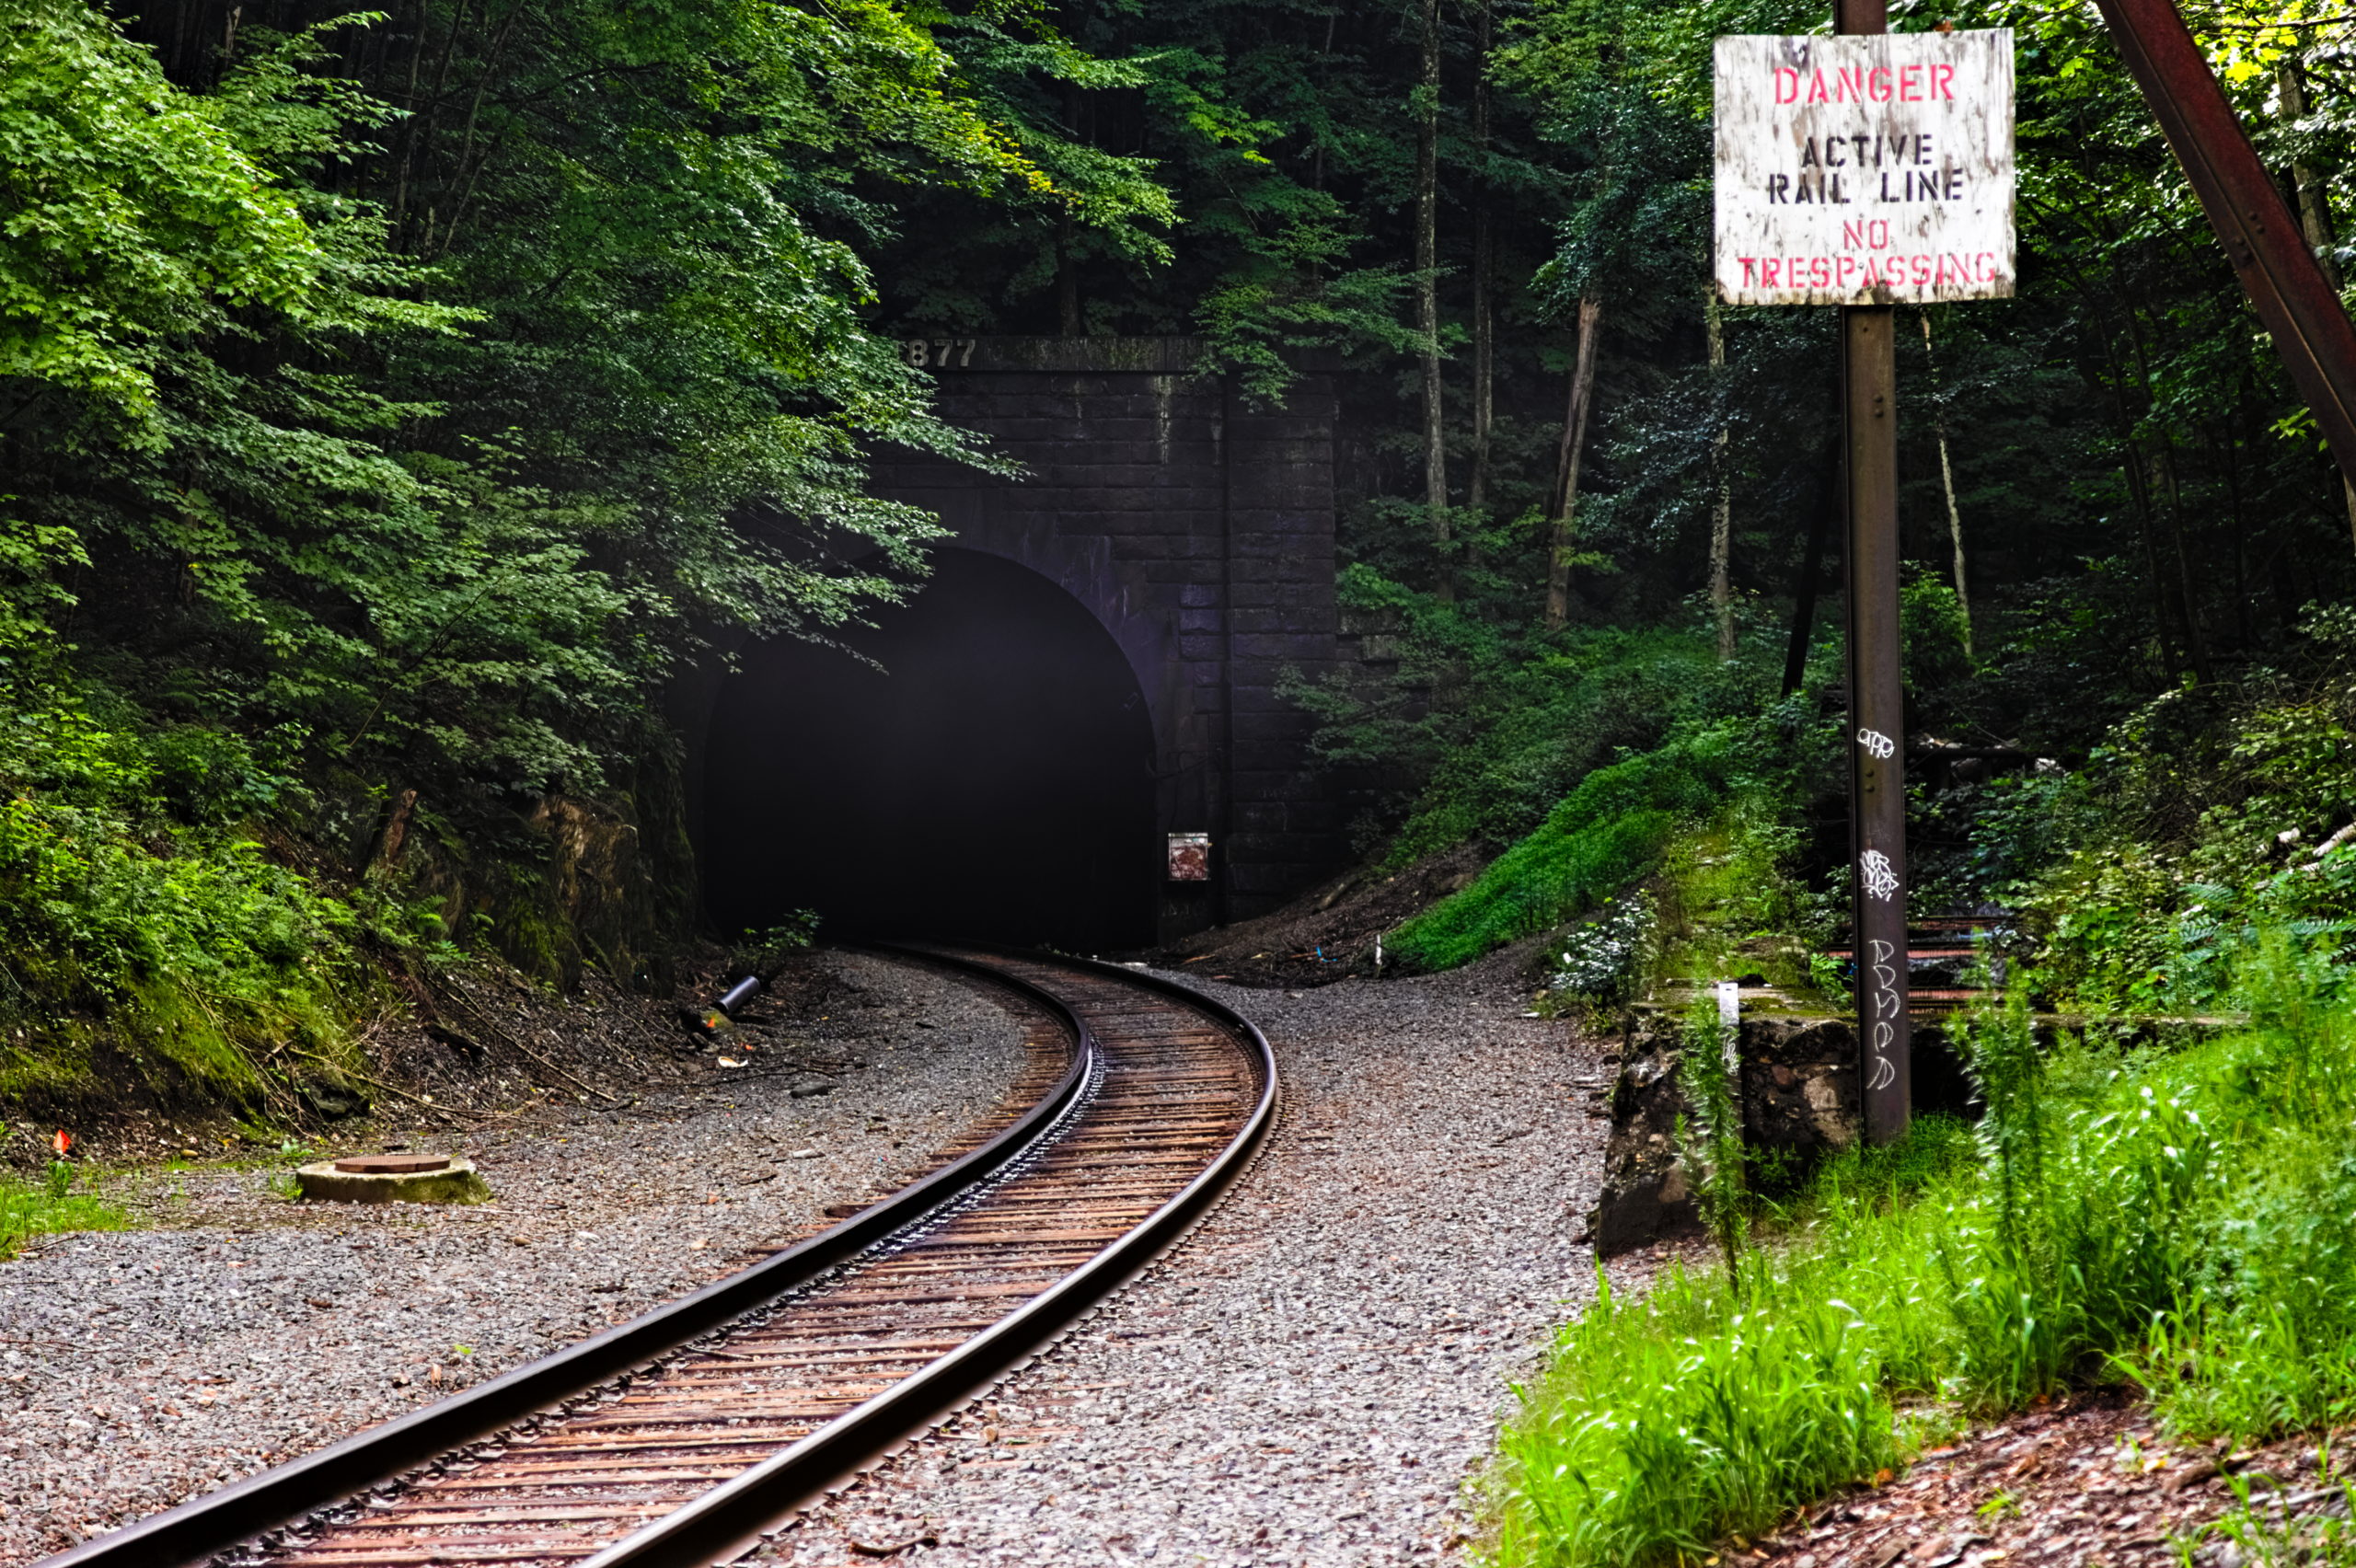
(140, 909)
(2173, 1218)
(30, 1208)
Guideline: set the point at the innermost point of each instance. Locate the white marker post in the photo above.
(1869, 170)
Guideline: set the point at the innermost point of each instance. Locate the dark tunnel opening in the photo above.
(994, 779)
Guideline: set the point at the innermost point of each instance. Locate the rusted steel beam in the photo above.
(2297, 303)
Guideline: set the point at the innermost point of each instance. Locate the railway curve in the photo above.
(680, 1437)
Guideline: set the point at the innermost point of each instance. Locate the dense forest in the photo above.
(396, 401)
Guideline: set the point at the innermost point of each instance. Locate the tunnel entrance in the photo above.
(994, 779)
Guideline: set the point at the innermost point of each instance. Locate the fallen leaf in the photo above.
(729, 1061)
(321, 1302)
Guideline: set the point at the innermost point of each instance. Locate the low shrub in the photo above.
(1605, 835)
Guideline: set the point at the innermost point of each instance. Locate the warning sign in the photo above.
(1864, 170)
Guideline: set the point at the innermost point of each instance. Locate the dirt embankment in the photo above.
(1327, 934)
(484, 1043)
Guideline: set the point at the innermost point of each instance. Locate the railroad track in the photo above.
(678, 1438)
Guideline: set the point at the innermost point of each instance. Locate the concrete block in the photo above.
(453, 1181)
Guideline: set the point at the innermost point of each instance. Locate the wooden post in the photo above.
(1877, 692)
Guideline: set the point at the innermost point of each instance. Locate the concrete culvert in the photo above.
(392, 1178)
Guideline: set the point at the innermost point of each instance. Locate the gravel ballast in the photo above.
(1311, 1377)
(139, 1369)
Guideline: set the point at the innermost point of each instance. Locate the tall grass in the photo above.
(2180, 1218)
(39, 1207)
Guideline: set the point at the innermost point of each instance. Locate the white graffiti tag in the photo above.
(1877, 743)
(1881, 877)
(1882, 969)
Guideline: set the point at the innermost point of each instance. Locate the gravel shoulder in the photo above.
(1312, 1376)
(139, 1369)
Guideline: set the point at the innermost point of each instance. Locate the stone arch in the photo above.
(984, 770)
(1198, 532)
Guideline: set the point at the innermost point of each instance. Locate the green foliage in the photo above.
(1604, 960)
(29, 1209)
(1712, 1149)
(759, 952)
(2165, 1214)
(1660, 1426)
(133, 215)
(1606, 832)
(2270, 1532)
(131, 887)
(1496, 729)
(393, 406)
(2205, 814)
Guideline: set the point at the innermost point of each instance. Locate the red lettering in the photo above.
(1852, 87)
(1750, 268)
(1879, 84)
(1819, 272)
(1787, 85)
(1816, 93)
(1910, 84)
(1922, 269)
(1794, 273)
(1942, 82)
(1849, 265)
(1767, 271)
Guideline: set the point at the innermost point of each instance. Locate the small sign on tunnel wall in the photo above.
(1190, 856)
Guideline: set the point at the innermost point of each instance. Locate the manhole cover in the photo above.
(393, 1164)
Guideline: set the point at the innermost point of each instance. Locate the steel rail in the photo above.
(203, 1526)
(731, 1516)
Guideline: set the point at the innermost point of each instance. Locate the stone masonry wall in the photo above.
(1200, 533)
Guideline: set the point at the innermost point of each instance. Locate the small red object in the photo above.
(62, 1142)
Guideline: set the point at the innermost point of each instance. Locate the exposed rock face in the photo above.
(1799, 1092)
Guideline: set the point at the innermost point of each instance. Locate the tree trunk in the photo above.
(2315, 215)
(1476, 488)
(1722, 513)
(1427, 293)
(2196, 637)
(1946, 478)
(1566, 481)
(2314, 212)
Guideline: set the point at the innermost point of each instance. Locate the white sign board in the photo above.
(1873, 170)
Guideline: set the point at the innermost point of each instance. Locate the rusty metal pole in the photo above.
(2300, 307)
(1877, 691)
